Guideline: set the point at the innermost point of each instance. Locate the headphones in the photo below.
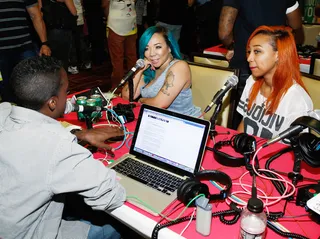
(192, 187)
(309, 143)
(309, 149)
(242, 143)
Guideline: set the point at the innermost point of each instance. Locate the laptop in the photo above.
(166, 149)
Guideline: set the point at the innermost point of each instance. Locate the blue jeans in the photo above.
(174, 29)
(8, 60)
(102, 232)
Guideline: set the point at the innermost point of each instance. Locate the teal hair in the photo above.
(144, 40)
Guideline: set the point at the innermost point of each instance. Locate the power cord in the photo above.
(159, 226)
(285, 234)
(160, 214)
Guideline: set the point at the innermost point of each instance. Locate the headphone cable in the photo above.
(277, 184)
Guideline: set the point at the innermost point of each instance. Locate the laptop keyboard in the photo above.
(150, 176)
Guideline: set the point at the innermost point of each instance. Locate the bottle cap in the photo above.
(255, 205)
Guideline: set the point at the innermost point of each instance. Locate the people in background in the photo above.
(172, 15)
(274, 95)
(96, 30)
(15, 37)
(122, 35)
(141, 9)
(60, 17)
(238, 19)
(45, 161)
(79, 54)
(207, 20)
(165, 80)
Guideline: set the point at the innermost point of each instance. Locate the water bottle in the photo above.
(253, 220)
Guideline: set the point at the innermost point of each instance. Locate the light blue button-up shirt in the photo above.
(40, 161)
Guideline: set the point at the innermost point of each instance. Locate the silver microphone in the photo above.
(293, 130)
(80, 108)
(139, 65)
(297, 127)
(231, 82)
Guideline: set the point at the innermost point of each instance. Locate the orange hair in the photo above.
(287, 72)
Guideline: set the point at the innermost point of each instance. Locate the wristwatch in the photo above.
(46, 43)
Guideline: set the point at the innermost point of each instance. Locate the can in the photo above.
(98, 99)
(94, 115)
(81, 100)
(91, 102)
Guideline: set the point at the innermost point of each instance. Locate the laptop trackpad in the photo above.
(150, 197)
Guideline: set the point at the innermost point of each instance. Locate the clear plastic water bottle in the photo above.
(253, 220)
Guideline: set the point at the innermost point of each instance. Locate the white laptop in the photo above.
(166, 149)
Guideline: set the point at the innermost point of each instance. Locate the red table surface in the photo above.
(301, 225)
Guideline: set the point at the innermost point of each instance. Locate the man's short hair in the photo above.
(35, 80)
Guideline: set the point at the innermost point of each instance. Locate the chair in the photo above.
(315, 64)
(312, 84)
(209, 59)
(206, 81)
(311, 31)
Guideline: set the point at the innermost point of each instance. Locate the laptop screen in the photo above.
(170, 138)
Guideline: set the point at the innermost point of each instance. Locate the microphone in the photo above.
(231, 82)
(80, 108)
(291, 131)
(139, 65)
(297, 126)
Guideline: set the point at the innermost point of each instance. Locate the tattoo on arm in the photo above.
(168, 83)
(227, 19)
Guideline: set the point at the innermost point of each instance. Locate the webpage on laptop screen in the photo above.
(169, 139)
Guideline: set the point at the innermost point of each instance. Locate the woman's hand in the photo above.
(148, 64)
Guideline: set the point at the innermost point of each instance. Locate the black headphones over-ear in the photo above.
(242, 143)
(192, 187)
(309, 143)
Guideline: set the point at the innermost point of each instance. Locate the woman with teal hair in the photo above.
(165, 80)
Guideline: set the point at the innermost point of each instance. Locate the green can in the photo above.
(81, 100)
(94, 115)
(91, 102)
(98, 99)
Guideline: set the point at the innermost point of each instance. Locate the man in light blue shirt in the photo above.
(40, 161)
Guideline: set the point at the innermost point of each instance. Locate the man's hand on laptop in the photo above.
(98, 136)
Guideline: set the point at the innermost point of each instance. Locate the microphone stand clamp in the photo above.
(296, 175)
(88, 120)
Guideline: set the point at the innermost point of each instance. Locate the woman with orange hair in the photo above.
(274, 95)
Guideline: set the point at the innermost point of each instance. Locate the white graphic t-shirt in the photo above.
(122, 17)
(295, 103)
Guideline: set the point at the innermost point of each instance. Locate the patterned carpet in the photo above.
(98, 76)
